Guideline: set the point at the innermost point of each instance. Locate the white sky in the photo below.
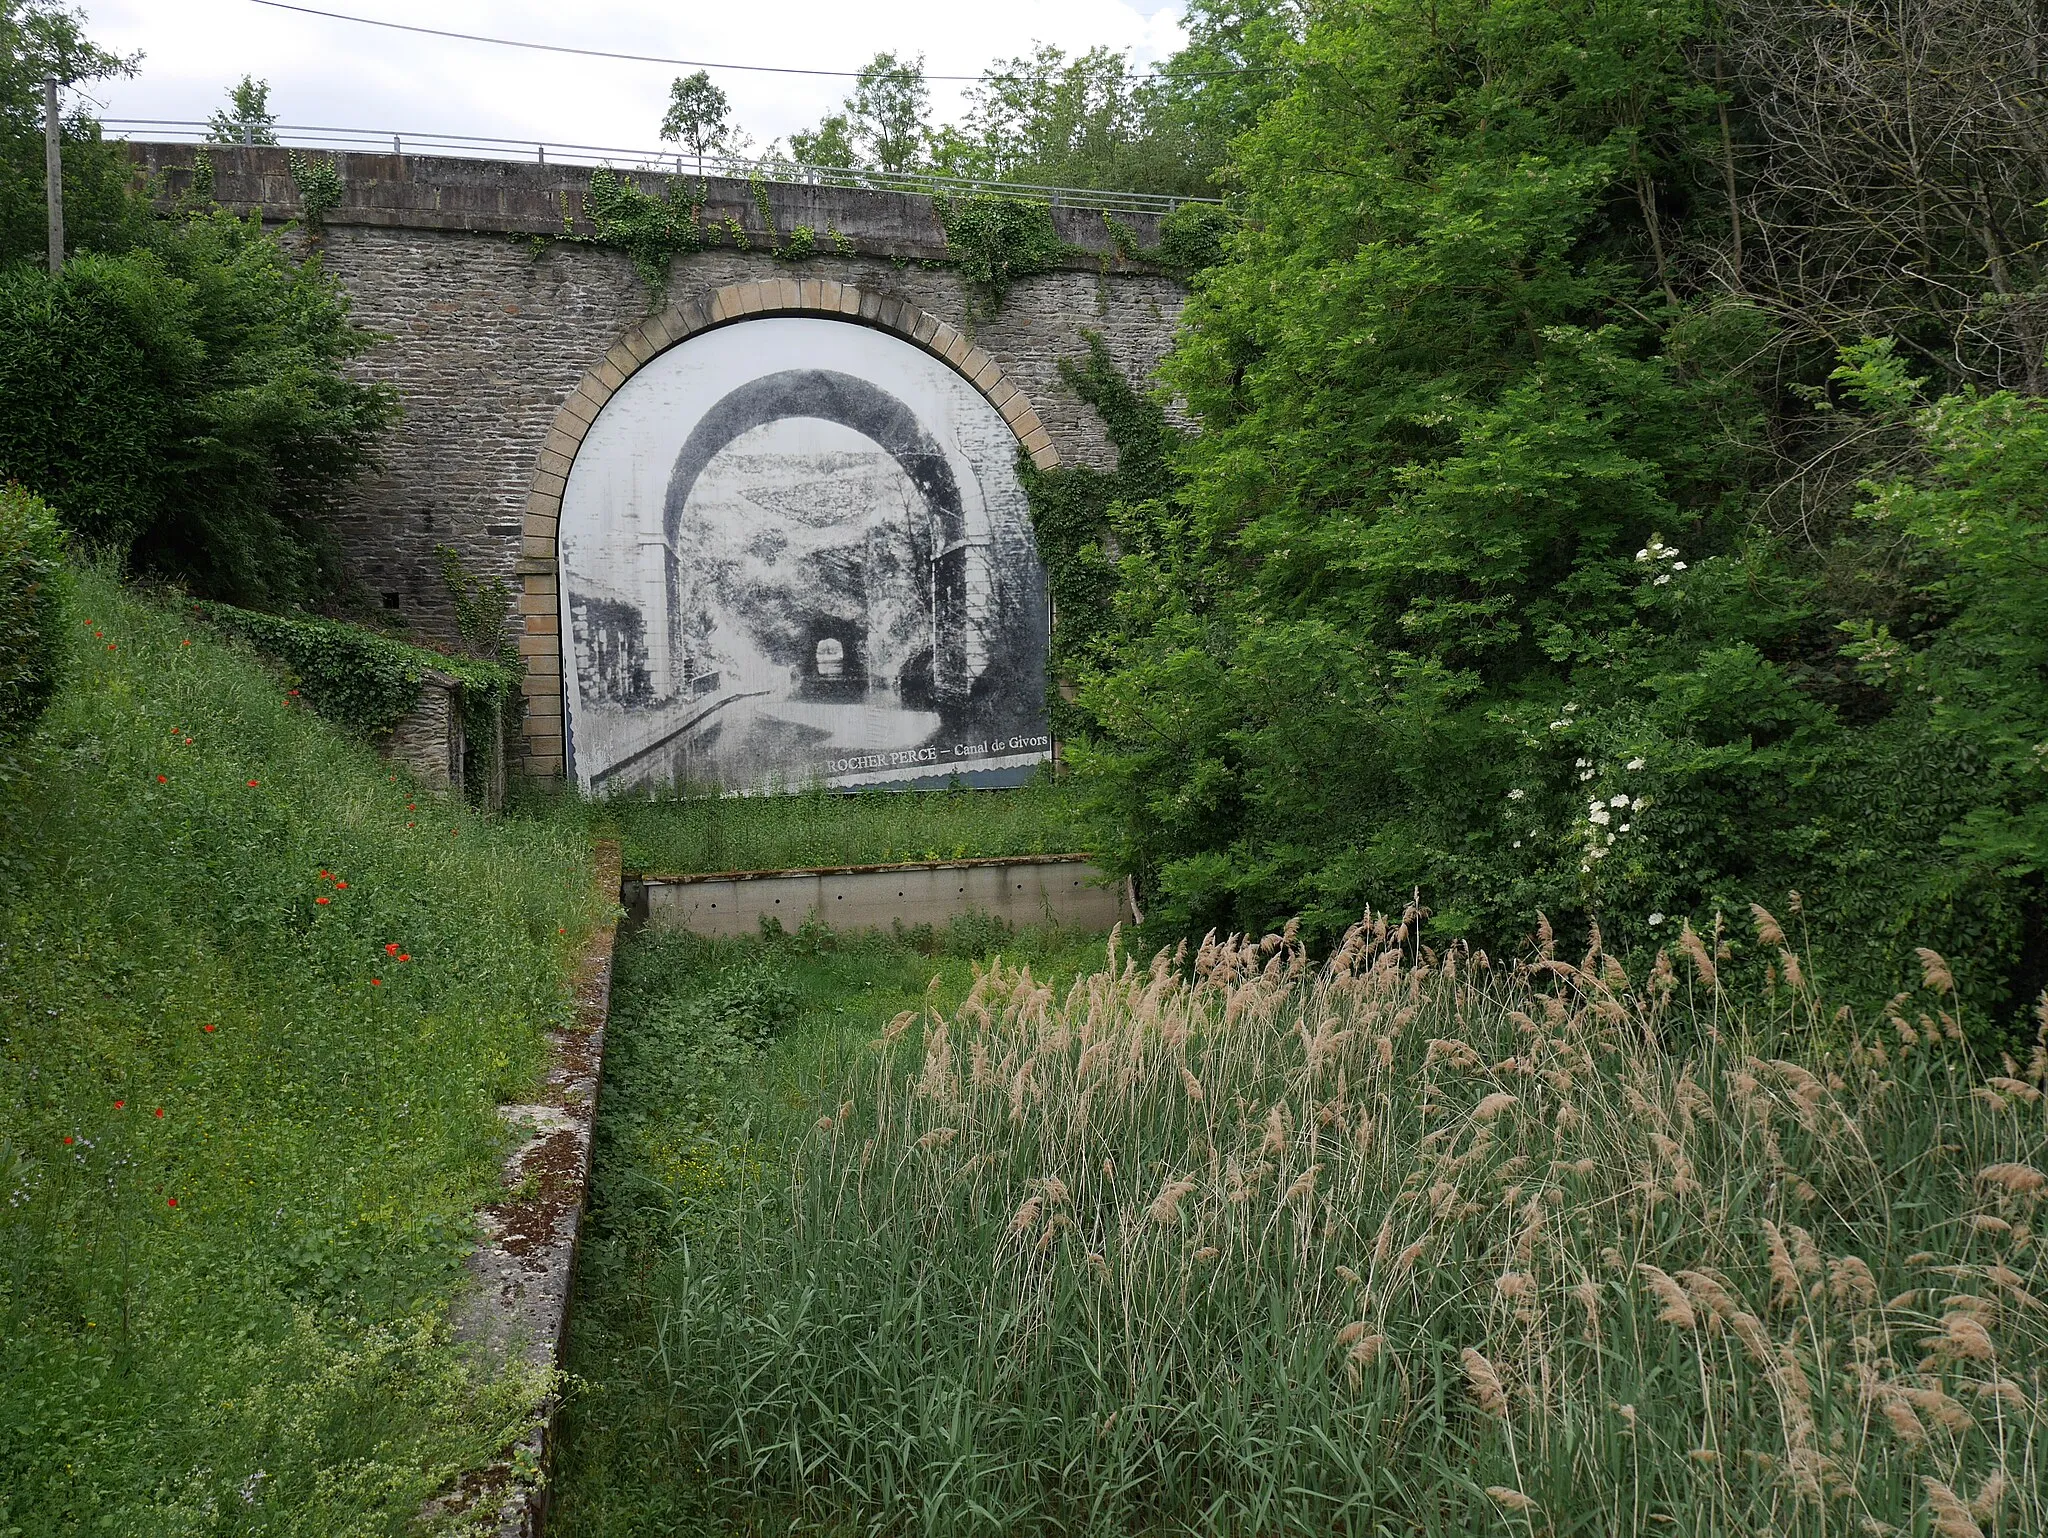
(334, 74)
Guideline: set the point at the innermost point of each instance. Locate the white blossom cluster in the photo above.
(1663, 557)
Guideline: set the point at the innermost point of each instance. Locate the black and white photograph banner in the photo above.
(796, 552)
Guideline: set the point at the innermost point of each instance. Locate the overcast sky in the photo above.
(334, 74)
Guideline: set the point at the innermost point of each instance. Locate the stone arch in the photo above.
(541, 750)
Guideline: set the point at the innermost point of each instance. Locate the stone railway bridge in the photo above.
(506, 344)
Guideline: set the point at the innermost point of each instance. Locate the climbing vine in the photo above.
(1085, 520)
(652, 230)
(319, 185)
(365, 682)
(998, 240)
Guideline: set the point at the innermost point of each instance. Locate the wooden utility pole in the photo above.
(53, 174)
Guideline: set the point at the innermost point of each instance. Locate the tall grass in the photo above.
(1406, 1242)
(826, 828)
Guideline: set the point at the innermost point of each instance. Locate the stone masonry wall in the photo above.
(487, 341)
(490, 323)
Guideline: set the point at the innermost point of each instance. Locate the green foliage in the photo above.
(198, 881)
(1080, 518)
(186, 403)
(652, 230)
(31, 610)
(1193, 237)
(483, 605)
(1475, 582)
(247, 118)
(319, 185)
(998, 240)
(1267, 1250)
(38, 39)
(364, 681)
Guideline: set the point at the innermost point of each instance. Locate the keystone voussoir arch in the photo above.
(543, 734)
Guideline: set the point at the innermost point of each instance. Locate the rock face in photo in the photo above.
(796, 552)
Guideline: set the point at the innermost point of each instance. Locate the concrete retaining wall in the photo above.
(1063, 889)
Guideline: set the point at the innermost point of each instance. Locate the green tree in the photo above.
(247, 119)
(829, 144)
(888, 114)
(40, 41)
(186, 404)
(1440, 432)
(699, 117)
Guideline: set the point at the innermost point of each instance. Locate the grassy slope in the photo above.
(823, 828)
(696, 1082)
(245, 1140)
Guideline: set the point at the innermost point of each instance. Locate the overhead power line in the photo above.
(646, 58)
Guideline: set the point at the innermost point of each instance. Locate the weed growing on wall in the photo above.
(999, 240)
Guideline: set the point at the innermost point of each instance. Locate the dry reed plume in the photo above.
(1235, 1243)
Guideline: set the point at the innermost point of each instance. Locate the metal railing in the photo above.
(667, 161)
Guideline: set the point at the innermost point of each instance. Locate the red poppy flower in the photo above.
(322, 901)
(391, 950)
(323, 874)
(341, 886)
(119, 1103)
(110, 646)
(163, 779)
(159, 1110)
(412, 825)
(184, 643)
(207, 1028)
(293, 693)
(376, 982)
(403, 957)
(67, 1140)
(254, 783)
(172, 1200)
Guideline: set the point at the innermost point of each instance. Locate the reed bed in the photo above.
(1233, 1243)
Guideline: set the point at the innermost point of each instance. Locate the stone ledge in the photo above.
(518, 1306)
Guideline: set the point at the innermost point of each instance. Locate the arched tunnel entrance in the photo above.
(796, 551)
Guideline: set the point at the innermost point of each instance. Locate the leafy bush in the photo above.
(213, 904)
(1412, 1243)
(31, 608)
(1478, 580)
(1192, 236)
(184, 404)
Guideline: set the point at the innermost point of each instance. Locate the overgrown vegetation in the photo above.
(1555, 538)
(1249, 1246)
(181, 392)
(31, 613)
(363, 681)
(710, 1046)
(259, 1002)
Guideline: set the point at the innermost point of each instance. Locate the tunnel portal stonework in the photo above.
(504, 340)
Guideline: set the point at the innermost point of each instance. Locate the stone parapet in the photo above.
(512, 197)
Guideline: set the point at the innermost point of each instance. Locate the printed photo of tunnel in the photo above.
(799, 553)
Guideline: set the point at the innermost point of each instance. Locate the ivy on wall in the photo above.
(1085, 521)
(998, 240)
(365, 682)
